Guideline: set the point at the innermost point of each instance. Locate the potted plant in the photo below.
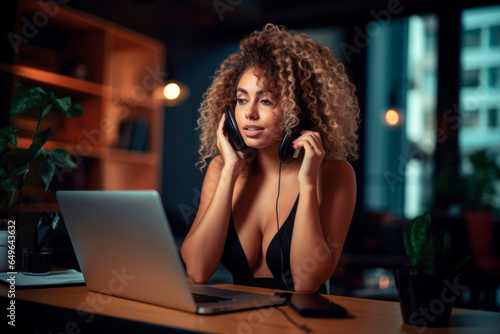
(15, 163)
(428, 289)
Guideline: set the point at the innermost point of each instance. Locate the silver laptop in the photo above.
(125, 248)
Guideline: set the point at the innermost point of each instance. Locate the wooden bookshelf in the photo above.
(111, 72)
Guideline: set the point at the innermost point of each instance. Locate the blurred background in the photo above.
(428, 81)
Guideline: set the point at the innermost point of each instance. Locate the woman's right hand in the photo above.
(233, 160)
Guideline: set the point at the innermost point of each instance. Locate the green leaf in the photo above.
(47, 171)
(25, 99)
(61, 105)
(407, 243)
(11, 200)
(42, 137)
(39, 90)
(29, 155)
(20, 86)
(443, 250)
(422, 244)
(19, 171)
(8, 186)
(4, 200)
(8, 136)
(62, 159)
(46, 110)
(417, 234)
(74, 111)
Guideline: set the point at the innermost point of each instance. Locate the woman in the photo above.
(280, 78)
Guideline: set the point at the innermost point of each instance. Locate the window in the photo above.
(479, 108)
(494, 77)
(470, 119)
(470, 78)
(402, 75)
(472, 38)
(493, 118)
(495, 35)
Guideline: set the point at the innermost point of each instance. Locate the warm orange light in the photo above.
(172, 94)
(392, 117)
(172, 91)
(383, 282)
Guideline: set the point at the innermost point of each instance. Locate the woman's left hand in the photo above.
(314, 154)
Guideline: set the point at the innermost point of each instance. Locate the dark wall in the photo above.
(7, 26)
(182, 181)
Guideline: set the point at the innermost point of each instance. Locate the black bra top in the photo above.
(234, 258)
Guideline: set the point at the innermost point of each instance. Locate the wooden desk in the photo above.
(78, 310)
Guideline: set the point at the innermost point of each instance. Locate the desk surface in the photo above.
(365, 316)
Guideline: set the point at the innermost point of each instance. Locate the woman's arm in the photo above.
(203, 245)
(324, 213)
(202, 248)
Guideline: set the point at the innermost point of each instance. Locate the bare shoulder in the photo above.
(337, 169)
(336, 177)
(215, 167)
(216, 163)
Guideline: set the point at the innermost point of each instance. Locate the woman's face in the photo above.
(257, 115)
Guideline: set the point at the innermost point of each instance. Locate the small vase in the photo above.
(426, 300)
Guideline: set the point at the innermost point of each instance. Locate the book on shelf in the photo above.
(134, 135)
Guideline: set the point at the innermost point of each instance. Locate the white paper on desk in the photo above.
(63, 277)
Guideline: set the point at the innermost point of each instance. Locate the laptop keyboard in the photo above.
(203, 299)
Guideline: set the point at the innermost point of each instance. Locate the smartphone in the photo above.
(233, 133)
(313, 305)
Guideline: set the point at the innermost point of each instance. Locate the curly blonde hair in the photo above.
(301, 76)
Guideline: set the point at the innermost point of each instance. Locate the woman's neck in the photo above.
(268, 163)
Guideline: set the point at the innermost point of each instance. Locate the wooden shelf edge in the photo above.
(54, 79)
(71, 148)
(133, 157)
